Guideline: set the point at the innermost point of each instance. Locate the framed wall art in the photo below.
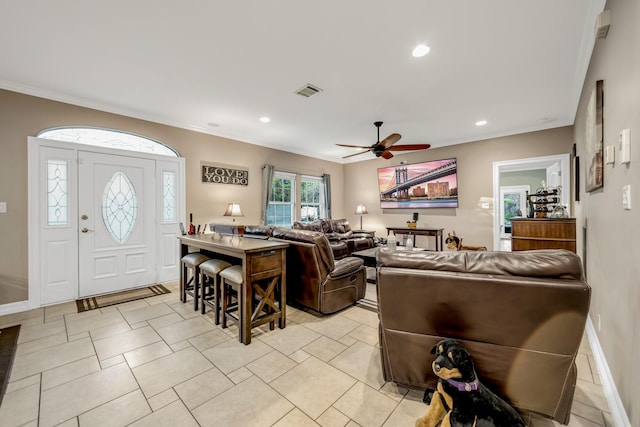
(594, 139)
(224, 174)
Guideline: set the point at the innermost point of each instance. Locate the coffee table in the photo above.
(367, 255)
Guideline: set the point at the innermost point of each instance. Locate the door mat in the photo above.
(8, 344)
(102, 301)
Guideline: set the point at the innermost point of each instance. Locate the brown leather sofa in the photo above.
(339, 230)
(258, 231)
(520, 314)
(338, 248)
(314, 278)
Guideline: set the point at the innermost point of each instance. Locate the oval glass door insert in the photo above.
(119, 207)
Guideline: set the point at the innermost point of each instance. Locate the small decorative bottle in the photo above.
(391, 241)
(409, 243)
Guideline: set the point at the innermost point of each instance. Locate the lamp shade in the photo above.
(361, 209)
(233, 209)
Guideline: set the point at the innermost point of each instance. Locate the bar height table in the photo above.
(261, 260)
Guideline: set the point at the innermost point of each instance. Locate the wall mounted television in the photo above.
(431, 184)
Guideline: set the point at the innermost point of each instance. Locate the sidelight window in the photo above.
(57, 192)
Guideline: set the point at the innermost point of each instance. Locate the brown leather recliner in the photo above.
(314, 278)
(520, 314)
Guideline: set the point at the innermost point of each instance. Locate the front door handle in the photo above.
(85, 230)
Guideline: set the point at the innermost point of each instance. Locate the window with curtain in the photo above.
(280, 211)
(311, 198)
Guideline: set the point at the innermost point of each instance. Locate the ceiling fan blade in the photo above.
(386, 154)
(353, 146)
(390, 140)
(355, 154)
(409, 147)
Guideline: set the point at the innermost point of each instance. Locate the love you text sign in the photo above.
(225, 175)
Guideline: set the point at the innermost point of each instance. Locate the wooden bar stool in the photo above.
(263, 307)
(210, 271)
(232, 279)
(190, 284)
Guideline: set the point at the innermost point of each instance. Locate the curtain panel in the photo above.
(326, 180)
(267, 181)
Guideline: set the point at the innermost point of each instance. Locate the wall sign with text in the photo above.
(224, 175)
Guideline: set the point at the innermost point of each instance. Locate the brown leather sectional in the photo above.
(339, 231)
(339, 248)
(520, 314)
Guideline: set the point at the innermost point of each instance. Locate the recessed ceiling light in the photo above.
(265, 119)
(420, 50)
(481, 122)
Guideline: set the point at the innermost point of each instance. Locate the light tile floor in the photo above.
(156, 362)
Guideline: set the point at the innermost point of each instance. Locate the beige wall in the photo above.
(532, 178)
(22, 116)
(612, 233)
(475, 184)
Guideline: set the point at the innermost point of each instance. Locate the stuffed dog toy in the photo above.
(460, 400)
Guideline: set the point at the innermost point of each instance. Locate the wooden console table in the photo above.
(262, 261)
(435, 232)
(543, 233)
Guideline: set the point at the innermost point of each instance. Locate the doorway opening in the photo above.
(513, 204)
(510, 181)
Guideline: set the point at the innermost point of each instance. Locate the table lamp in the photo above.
(361, 210)
(233, 210)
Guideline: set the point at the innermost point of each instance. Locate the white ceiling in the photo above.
(218, 66)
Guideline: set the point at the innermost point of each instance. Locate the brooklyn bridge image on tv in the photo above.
(419, 185)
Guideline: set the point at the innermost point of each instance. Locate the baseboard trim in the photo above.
(14, 307)
(618, 413)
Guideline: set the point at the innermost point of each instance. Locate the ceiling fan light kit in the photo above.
(386, 146)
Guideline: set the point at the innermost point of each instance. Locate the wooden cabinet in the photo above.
(543, 233)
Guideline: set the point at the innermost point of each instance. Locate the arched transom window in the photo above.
(109, 139)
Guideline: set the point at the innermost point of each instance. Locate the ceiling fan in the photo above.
(385, 147)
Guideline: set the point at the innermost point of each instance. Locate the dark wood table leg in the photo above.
(245, 307)
(184, 249)
(282, 322)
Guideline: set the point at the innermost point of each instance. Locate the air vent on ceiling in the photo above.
(602, 25)
(308, 90)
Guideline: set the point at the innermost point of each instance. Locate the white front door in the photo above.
(88, 234)
(116, 223)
